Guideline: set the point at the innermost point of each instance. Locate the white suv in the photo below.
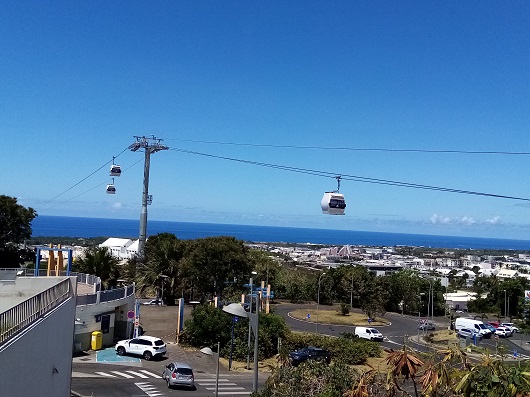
(511, 327)
(145, 346)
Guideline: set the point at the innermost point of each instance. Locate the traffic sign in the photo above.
(130, 314)
(136, 323)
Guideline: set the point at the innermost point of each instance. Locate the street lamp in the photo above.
(236, 309)
(163, 276)
(318, 298)
(504, 305)
(209, 352)
(249, 326)
(419, 315)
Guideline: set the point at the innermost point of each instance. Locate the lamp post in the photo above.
(504, 305)
(318, 298)
(249, 325)
(163, 277)
(209, 352)
(419, 314)
(237, 310)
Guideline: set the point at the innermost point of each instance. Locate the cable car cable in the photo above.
(355, 149)
(355, 178)
(82, 180)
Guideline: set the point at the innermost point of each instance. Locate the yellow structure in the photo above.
(56, 265)
(97, 340)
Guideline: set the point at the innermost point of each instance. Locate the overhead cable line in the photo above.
(84, 179)
(355, 178)
(89, 190)
(500, 152)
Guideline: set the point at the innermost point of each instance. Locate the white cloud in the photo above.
(438, 219)
(466, 220)
(117, 206)
(496, 220)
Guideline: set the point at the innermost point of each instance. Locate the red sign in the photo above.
(130, 314)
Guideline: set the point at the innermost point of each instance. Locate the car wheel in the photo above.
(121, 351)
(168, 384)
(148, 355)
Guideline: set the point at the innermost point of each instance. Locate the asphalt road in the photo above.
(403, 329)
(142, 378)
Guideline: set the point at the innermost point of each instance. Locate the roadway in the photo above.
(136, 377)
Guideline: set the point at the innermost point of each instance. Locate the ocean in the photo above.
(59, 226)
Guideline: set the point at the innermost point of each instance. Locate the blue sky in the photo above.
(80, 79)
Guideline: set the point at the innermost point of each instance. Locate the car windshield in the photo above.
(482, 326)
(185, 371)
(159, 342)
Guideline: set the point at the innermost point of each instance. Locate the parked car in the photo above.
(153, 302)
(468, 333)
(490, 327)
(511, 326)
(178, 374)
(145, 346)
(426, 326)
(494, 324)
(309, 353)
(503, 331)
(368, 333)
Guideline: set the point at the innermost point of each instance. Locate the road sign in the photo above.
(130, 314)
(136, 323)
(308, 316)
(370, 320)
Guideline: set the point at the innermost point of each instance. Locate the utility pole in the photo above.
(150, 145)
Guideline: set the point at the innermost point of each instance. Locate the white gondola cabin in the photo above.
(333, 203)
(111, 189)
(115, 170)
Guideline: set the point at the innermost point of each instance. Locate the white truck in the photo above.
(476, 325)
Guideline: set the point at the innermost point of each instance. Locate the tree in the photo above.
(162, 266)
(15, 227)
(99, 261)
(211, 263)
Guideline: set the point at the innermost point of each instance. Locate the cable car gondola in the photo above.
(115, 170)
(333, 203)
(111, 189)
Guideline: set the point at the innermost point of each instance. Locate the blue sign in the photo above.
(236, 319)
(308, 316)
(370, 320)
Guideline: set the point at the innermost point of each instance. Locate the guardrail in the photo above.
(105, 296)
(20, 316)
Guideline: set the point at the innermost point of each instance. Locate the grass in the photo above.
(333, 317)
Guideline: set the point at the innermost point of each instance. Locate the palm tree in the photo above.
(99, 262)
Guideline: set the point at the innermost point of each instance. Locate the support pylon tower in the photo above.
(150, 145)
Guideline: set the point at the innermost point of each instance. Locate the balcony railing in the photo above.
(20, 316)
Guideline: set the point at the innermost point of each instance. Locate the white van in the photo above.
(473, 324)
(368, 333)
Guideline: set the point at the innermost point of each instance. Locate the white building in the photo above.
(122, 248)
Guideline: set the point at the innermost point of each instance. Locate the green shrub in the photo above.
(344, 309)
(350, 351)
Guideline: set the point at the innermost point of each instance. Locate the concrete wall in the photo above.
(86, 322)
(23, 288)
(38, 361)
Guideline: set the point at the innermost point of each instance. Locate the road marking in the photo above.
(122, 374)
(149, 389)
(213, 384)
(150, 373)
(106, 375)
(226, 388)
(138, 374)
(233, 392)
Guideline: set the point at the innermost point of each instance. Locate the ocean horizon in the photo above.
(63, 226)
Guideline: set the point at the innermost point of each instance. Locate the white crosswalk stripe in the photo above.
(225, 386)
(122, 374)
(138, 374)
(149, 389)
(150, 373)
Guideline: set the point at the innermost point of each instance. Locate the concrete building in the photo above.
(37, 317)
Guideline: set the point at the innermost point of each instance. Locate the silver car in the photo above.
(178, 374)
